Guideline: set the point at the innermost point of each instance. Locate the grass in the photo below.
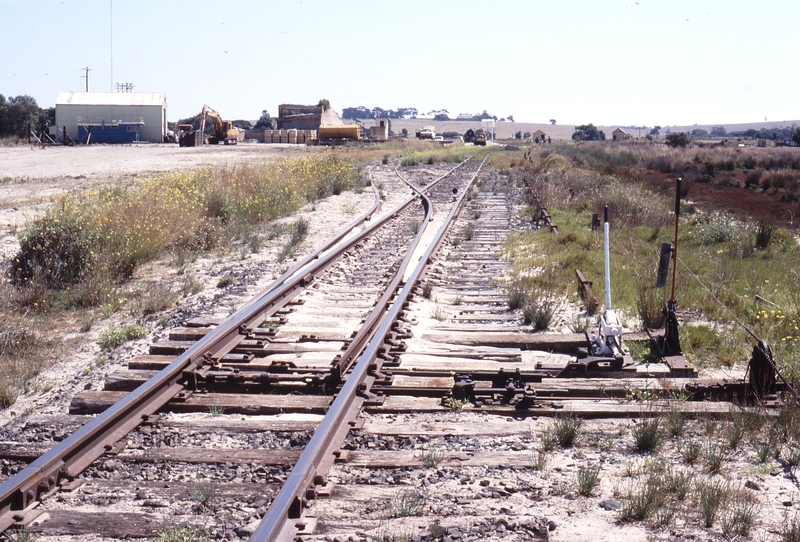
(641, 498)
(565, 430)
(108, 232)
(735, 260)
(299, 230)
(647, 434)
(675, 423)
(226, 280)
(587, 479)
(712, 496)
(407, 503)
(206, 493)
(431, 457)
(715, 456)
(540, 459)
(187, 533)
(539, 313)
(790, 532)
(691, 451)
(115, 336)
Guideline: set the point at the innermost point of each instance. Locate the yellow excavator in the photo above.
(223, 130)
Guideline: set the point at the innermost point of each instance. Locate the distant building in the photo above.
(112, 117)
(465, 116)
(539, 136)
(306, 117)
(380, 130)
(619, 135)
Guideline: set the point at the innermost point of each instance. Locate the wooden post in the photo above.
(64, 131)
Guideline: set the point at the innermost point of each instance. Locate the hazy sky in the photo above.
(669, 62)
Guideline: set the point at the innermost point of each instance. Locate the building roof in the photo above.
(620, 130)
(111, 98)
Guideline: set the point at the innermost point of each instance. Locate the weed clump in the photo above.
(105, 234)
(647, 434)
(565, 430)
(116, 336)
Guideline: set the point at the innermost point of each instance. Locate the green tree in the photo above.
(588, 132)
(16, 113)
(677, 139)
(264, 122)
(324, 104)
(655, 131)
(699, 132)
(719, 131)
(796, 135)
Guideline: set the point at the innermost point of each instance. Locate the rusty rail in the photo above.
(586, 293)
(71, 456)
(284, 517)
(543, 214)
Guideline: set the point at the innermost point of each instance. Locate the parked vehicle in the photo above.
(188, 136)
(426, 132)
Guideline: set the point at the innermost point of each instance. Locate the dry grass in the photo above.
(80, 254)
(731, 261)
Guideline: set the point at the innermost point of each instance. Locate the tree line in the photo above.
(439, 115)
(17, 112)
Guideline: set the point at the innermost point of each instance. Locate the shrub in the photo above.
(677, 139)
(539, 313)
(58, 252)
(517, 298)
(718, 227)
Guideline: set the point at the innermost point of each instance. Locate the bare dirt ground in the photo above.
(31, 176)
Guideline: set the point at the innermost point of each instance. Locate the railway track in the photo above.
(378, 389)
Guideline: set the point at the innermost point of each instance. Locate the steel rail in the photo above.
(69, 457)
(280, 523)
(348, 357)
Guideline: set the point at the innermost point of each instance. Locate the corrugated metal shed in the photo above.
(111, 98)
(84, 108)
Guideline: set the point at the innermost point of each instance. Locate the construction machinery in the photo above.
(188, 136)
(479, 138)
(223, 130)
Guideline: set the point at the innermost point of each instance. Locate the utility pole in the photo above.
(87, 78)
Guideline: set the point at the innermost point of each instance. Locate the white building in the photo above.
(147, 112)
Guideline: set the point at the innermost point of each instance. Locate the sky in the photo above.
(609, 62)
